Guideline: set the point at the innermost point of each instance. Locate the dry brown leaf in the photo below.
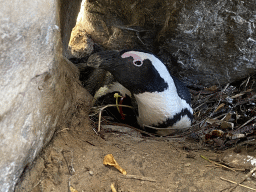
(227, 125)
(72, 189)
(237, 95)
(223, 124)
(219, 107)
(212, 121)
(212, 88)
(113, 187)
(109, 160)
(227, 117)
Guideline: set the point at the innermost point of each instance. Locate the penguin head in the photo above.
(138, 71)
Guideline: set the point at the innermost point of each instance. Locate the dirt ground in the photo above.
(73, 161)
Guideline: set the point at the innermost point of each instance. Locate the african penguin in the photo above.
(163, 101)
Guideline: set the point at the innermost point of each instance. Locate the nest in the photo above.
(223, 116)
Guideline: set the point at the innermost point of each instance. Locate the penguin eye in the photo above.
(137, 63)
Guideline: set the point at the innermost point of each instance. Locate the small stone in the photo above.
(187, 164)
(91, 173)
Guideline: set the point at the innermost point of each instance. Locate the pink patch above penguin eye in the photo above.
(137, 61)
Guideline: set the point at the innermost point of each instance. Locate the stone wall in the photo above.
(38, 87)
(211, 42)
(202, 42)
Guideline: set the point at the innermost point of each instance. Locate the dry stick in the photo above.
(247, 81)
(246, 122)
(71, 169)
(219, 167)
(245, 177)
(217, 163)
(62, 130)
(237, 183)
(140, 178)
(110, 105)
(221, 92)
(135, 30)
(204, 102)
(168, 128)
(113, 189)
(36, 185)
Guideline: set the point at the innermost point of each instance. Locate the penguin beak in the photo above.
(104, 60)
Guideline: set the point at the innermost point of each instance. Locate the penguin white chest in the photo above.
(157, 107)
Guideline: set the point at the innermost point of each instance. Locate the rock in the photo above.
(91, 173)
(204, 42)
(216, 41)
(213, 41)
(68, 16)
(80, 44)
(38, 87)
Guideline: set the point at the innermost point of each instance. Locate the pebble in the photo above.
(91, 173)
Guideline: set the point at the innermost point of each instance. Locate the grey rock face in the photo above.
(216, 40)
(213, 41)
(38, 87)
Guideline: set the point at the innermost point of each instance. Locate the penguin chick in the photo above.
(163, 101)
(115, 93)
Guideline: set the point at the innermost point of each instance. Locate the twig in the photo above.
(204, 101)
(36, 185)
(95, 131)
(246, 122)
(167, 128)
(135, 30)
(237, 183)
(245, 82)
(138, 36)
(217, 163)
(113, 187)
(140, 178)
(130, 29)
(219, 167)
(70, 167)
(245, 177)
(110, 105)
(221, 92)
(63, 130)
(88, 142)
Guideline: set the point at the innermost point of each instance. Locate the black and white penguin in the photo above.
(163, 101)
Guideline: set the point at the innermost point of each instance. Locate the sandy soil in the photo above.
(74, 161)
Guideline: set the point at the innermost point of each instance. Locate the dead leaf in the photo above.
(113, 187)
(219, 107)
(109, 160)
(227, 125)
(212, 88)
(227, 117)
(72, 189)
(237, 95)
(212, 121)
